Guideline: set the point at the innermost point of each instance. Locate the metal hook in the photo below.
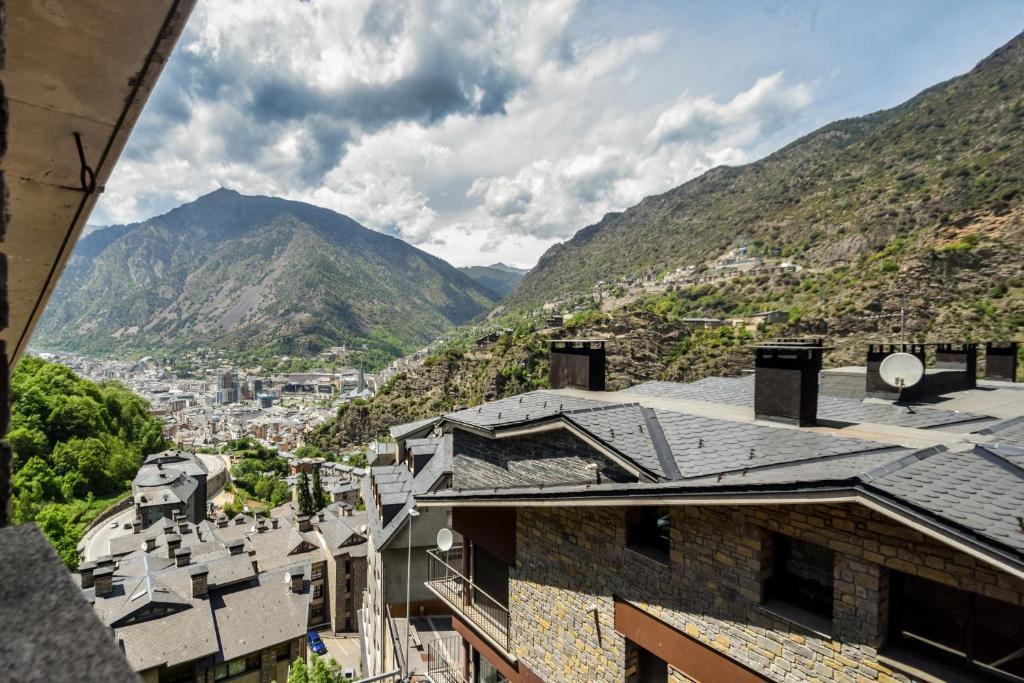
(85, 175)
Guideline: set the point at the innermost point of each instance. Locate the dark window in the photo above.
(490, 574)
(650, 668)
(318, 590)
(348, 566)
(966, 630)
(283, 651)
(801, 576)
(318, 573)
(648, 531)
(485, 672)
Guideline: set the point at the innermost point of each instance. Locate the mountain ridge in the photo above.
(261, 274)
(920, 171)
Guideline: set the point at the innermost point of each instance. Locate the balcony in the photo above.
(443, 656)
(489, 616)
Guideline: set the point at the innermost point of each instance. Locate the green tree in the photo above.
(308, 452)
(305, 500)
(298, 673)
(56, 524)
(319, 497)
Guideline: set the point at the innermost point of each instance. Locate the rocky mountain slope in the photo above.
(921, 203)
(920, 207)
(497, 277)
(257, 273)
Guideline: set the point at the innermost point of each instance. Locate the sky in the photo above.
(484, 131)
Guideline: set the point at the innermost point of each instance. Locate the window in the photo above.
(348, 566)
(348, 585)
(318, 590)
(236, 667)
(318, 573)
(968, 631)
(801, 577)
(485, 671)
(317, 611)
(648, 531)
(283, 652)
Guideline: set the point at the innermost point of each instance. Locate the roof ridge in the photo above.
(661, 446)
(910, 458)
(1000, 459)
(596, 409)
(1001, 425)
(791, 463)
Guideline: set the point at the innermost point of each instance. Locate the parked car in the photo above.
(113, 525)
(315, 644)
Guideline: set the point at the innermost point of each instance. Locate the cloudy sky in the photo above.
(483, 131)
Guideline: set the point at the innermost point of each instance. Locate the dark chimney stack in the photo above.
(85, 571)
(199, 574)
(1001, 361)
(173, 543)
(297, 579)
(304, 523)
(182, 556)
(786, 381)
(103, 580)
(962, 357)
(235, 547)
(150, 544)
(578, 364)
(273, 522)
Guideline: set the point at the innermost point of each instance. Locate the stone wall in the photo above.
(572, 558)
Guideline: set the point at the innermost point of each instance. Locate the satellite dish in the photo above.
(901, 370)
(444, 540)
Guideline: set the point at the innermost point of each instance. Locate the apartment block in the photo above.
(733, 529)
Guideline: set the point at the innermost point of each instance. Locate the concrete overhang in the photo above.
(71, 66)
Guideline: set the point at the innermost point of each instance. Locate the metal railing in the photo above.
(444, 655)
(396, 642)
(484, 611)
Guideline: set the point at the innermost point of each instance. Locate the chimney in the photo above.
(104, 561)
(240, 519)
(874, 387)
(577, 364)
(182, 557)
(304, 523)
(150, 544)
(183, 526)
(173, 543)
(236, 546)
(85, 571)
(261, 526)
(786, 381)
(320, 516)
(1001, 361)
(273, 522)
(222, 521)
(136, 526)
(103, 580)
(296, 579)
(199, 574)
(961, 357)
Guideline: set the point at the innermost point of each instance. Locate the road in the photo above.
(96, 541)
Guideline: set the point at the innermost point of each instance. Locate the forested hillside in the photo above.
(76, 445)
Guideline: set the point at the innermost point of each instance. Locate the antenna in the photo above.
(444, 540)
(901, 370)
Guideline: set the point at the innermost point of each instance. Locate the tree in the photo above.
(319, 497)
(319, 670)
(305, 500)
(298, 672)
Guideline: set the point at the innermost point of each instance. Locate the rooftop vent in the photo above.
(578, 364)
(182, 556)
(295, 578)
(786, 381)
(150, 544)
(1001, 361)
(962, 358)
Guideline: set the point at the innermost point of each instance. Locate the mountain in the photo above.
(922, 203)
(497, 277)
(262, 274)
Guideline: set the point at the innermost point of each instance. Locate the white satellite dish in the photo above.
(901, 370)
(445, 540)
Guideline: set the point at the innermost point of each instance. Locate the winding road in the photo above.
(96, 541)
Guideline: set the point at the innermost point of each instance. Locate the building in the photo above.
(397, 560)
(168, 484)
(244, 563)
(734, 529)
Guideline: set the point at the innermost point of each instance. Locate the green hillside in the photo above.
(498, 277)
(921, 203)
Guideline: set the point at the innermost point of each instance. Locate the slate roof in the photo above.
(404, 430)
(981, 490)
(1007, 431)
(253, 617)
(740, 391)
(529, 407)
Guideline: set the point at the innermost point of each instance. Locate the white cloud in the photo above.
(476, 130)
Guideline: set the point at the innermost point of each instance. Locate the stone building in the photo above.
(696, 532)
(396, 571)
(169, 484)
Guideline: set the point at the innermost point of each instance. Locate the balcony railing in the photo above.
(482, 610)
(444, 655)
